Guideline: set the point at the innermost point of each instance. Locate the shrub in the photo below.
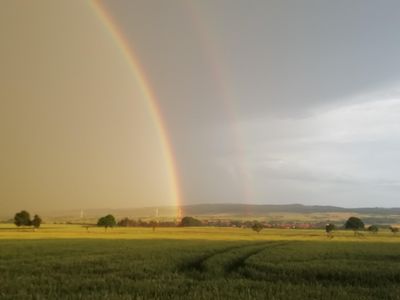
(126, 222)
(190, 221)
(354, 223)
(36, 222)
(107, 221)
(329, 228)
(373, 229)
(257, 227)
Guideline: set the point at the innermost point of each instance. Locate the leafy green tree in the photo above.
(106, 221)
(354, 223)
(257, 226)
(22, 218)
(36, 222)
(190, 222)
(329, 228)
(373, 229)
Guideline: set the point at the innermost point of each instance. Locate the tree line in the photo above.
(23, 218)
(353, 223)
(110, 221)
(357, 225)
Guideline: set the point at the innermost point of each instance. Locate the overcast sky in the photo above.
(264, 101)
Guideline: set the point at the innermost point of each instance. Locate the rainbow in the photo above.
(133, 62)
(215, 58)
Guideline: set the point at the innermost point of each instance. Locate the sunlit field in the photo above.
(71, 262)
(57, 231)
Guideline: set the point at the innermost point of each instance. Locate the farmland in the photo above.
(71, 262)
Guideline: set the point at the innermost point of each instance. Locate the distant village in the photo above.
(223, 221)
(126, 222)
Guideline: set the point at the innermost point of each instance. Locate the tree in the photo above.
(373, 229)
(36, 222)
(126, 222)
(107, 221)
(329, 228)
(22, 219)
(190, 222)
(394, 230)
(354, 223)
(153, 224)
(257, 226)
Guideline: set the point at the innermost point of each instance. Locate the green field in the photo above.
(67, 262)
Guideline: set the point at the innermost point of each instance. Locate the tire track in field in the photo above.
(222, 264)
(240, 262)
(198, 264)
(226, 261)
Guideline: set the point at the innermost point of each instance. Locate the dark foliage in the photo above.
(107, 221)
(190, 221)
(36, 222)
(257, 226)
(22, 218)
(354, 223)
(373, 229)
(126, 222)
(329, 228)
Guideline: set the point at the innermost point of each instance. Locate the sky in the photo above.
(261, 102)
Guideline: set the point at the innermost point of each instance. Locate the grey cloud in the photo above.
(297, 76)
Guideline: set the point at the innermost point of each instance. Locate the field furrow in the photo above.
(226, 261)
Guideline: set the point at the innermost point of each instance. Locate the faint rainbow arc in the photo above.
(139, 74)
(215, 58)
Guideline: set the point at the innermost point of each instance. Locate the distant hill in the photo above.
(292, 212)
(260, 209)
(225, 209)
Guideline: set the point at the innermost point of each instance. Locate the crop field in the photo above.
(71, 262)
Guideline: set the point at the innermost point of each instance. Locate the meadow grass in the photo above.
(60, 231)
(67, 262)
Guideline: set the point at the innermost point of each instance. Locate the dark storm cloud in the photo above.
(283, 63)
(280, 56)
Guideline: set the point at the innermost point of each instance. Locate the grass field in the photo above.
(67, 262)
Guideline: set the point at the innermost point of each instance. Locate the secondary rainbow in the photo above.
(133, 62)
(216, 60)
